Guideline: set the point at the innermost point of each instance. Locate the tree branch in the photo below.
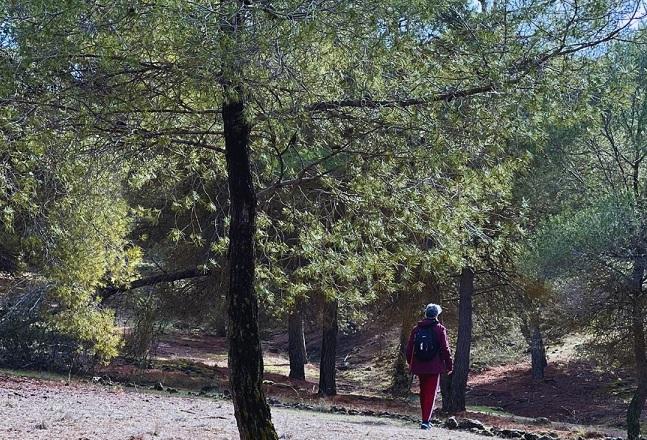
(152, 280)
(396, 103)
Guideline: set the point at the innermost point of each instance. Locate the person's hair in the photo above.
(433, 310)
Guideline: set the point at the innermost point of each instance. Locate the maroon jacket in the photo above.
(441, 363)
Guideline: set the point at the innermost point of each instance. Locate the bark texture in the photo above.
(327, 366)
(456, 384)
(245, 355)
(637, 403)
(297, 344)
(537, 353)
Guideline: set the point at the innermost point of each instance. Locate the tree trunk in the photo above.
(637, 403)
(458, 384)
(537, 353)
(401, 375)
(245, 355)
(297, 344)
(634, 411)
(638, 332)
(445, 390)
(327, 366)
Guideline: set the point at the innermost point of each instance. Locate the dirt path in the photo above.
(43, 409)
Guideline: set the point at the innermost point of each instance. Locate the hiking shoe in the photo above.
(425, 425)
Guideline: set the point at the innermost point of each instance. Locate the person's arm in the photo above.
(445, 353)
(409, 351)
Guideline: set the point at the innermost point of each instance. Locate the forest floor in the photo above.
(575, 397)
(57, 409)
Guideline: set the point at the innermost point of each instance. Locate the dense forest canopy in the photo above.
(176, 161)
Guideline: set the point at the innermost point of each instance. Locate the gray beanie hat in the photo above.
(433, 310)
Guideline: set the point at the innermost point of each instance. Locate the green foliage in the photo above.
(386, 140)
(577, 240)
(30, 335)
(70, 224)
(589, 246)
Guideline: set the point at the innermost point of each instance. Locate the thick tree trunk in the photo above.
(297, 344)
(537, 353)
(327, 365)
(458, 384)
(245, 355)
(638, 332)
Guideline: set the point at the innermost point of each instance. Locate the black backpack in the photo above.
(425, 346)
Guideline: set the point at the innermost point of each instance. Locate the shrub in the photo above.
(36, 334)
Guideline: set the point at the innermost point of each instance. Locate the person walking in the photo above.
(428, 357)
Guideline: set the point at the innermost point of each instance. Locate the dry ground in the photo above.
(53, 410)
(574, 390)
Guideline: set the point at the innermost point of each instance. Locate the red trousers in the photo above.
(428, 390)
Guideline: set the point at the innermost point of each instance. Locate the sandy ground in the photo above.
(44, 409)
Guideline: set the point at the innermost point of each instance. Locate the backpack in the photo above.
(425, 346)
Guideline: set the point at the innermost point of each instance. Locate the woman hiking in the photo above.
(428, 357)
